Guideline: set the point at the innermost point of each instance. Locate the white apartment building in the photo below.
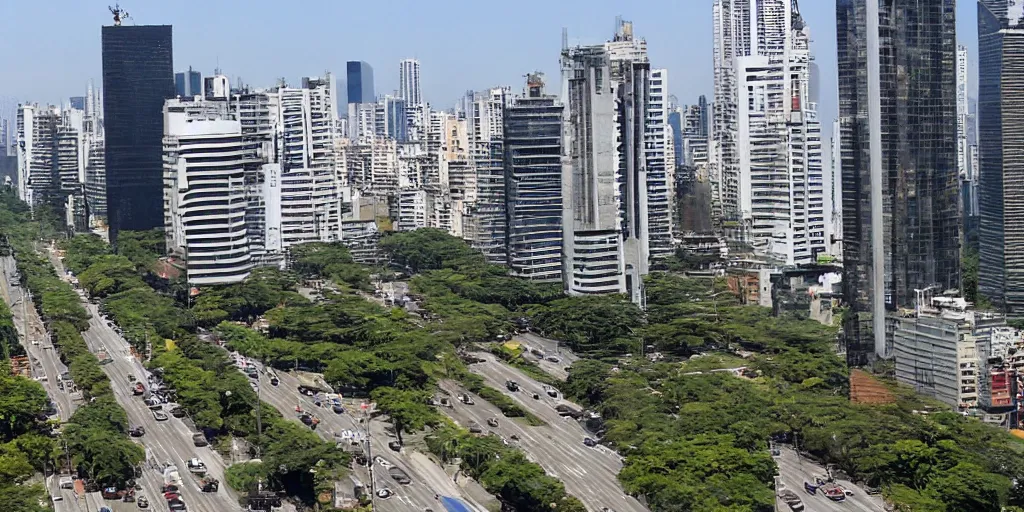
(52, 154)
(409, 82)
(204, 192)
(414, 210)
(310, 197)
(659, 157)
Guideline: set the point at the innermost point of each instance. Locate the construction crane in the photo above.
(119, 14)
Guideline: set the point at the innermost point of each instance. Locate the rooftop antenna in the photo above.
(119, 14)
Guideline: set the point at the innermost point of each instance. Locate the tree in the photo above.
(968, 487)
(21, 400)
(408, 409)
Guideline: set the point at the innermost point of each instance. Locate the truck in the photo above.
(172, 480)
(312, 383)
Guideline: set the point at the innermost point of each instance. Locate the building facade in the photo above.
(188, 83)
(204, 192)
(409, 82)
(900, 187)
(1001, 176)
(533, 178)
(359, 81)
(138, 75)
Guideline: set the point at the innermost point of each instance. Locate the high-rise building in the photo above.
(659, 160)
(188, 83)
(782, 187)
(359, 80)
(204, 192)
(732, 39)
(51, 161)
(138, 75)
(77, 102)
(533, 180)
(409, 82)
(897, 112)
(1001, 176)
(605, 221)
(484, 221)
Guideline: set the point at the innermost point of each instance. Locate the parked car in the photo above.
(466, 399)
(199, 439)
(142, 502)
(791, 499)
(589, 442)
(338, 409)
(137, 431)
(475, 428)
(395, 445)
(492, 422)
(178, 412)
(399, 476)
(159, 415)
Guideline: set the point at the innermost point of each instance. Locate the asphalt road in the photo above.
(590, 474)
(427, 477)
(548, 347)
(165, 441)
(794, 471)
(46, 364)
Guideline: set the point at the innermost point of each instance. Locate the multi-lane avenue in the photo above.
(589, 473)
(166, 442)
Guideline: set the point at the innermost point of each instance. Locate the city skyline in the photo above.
(680, 37)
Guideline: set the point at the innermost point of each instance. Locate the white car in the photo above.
(383, 462)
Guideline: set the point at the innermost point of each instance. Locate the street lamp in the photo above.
(259, 421)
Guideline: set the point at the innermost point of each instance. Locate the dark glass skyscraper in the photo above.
(901, 209)
(359, 79)
(138, 75)
(1000, 138)
(533, 183)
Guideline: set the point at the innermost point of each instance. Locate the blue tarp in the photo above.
(454, 505)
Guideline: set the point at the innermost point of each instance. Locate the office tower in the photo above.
(409, 82)
(901, 217)
(659, 160)
(605, 226)
(77, 102)
(781, 181)
(188, 83)
(692, 139)
(1001, 176)
(484, 211)
(204, 192)
(138, 75)
(96, 181)
(533, 178)
(360, 82)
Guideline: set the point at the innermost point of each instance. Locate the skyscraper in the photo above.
(138, 75)
(1000, 125)
(605, 182)
(188, 83)
(409, 82)
(732, 39)
(897, 110)
(533, 176)
(359, 79)
(781, 182)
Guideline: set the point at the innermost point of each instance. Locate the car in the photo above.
(176, 504)
(338, 409)
(142, 502)
(66, 482)
(253, 375)
(199, 440)
(159, 415)
(57, 498)
(492, 422)
(178, 412)
(382, 462)
(384, 493)
(395, 445)
(775, 451)
(306, 419)
(137, 431)
(589, 442)
(466, 399)
(399, 476)
(790, 498)
(475, 428)
(552, 359)
(552, 392)
(274, 380)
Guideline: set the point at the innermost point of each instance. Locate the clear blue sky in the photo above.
(49, 49)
